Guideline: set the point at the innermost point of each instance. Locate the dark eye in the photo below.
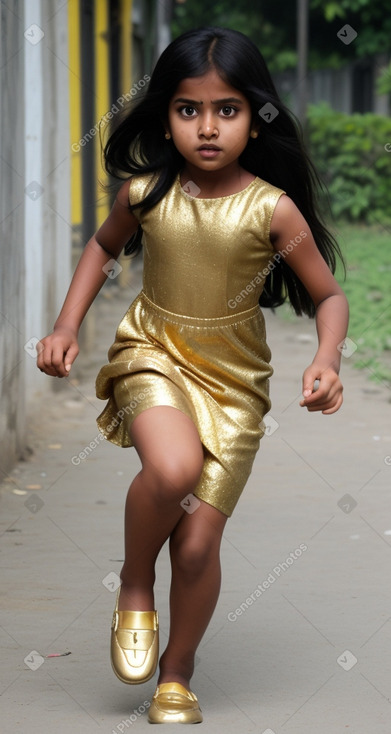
(228, 111)
(187, 111)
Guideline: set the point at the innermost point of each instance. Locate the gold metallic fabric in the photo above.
(194, 338)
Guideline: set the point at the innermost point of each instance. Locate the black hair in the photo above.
(278, 155)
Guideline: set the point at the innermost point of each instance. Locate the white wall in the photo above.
(47, 171)
(35, 225)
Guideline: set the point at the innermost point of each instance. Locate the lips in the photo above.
(208, 147)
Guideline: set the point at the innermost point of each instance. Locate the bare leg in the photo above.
(170, 450)
(196, 577)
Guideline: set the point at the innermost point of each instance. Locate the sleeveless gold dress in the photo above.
(194, 338)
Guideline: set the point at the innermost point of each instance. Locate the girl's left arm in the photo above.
(332, 311)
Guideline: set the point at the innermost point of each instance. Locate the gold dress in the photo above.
(194, 338)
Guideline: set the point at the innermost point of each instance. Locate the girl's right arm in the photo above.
(57, 351)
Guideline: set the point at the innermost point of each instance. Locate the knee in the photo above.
(172, 477)
(192, 555)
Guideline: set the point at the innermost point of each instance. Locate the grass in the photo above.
(367, 252)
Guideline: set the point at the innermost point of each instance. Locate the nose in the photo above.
(207, 126)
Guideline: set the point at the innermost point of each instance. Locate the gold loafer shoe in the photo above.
(134, 645)
(172, 703)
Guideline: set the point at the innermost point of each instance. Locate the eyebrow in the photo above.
(214, 101)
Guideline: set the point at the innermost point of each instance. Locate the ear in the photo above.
(166, 127)
(254, 129)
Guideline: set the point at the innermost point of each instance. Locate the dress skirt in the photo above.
(215, 370)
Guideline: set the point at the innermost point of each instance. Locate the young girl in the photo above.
(220, 188)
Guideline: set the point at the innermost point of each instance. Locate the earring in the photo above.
(167, 136)
(254, 134)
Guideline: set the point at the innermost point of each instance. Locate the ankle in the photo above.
(136, 598)
(175, 670)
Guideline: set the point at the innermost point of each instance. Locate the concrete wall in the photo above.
(47, 153)
(34, 205)
(12, 354)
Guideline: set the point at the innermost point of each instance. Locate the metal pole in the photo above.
(302, 55)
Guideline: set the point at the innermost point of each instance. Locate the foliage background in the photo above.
(353, 160)
(271, 25)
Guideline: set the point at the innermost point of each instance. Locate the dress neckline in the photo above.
(214, 198)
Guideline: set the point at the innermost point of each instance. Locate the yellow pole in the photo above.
(102, 99)
(74, 64)
(126, 44)
(125, 16)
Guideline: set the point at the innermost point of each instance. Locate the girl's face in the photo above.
(209, 121)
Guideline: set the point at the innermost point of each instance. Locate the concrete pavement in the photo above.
(300, 639)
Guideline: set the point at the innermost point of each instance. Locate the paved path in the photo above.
(300, 640)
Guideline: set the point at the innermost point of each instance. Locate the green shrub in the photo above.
(353, 156)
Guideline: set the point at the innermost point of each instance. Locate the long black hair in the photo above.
(278, 155)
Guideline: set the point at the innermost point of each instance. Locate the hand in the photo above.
(328, 396)
(57, 352)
